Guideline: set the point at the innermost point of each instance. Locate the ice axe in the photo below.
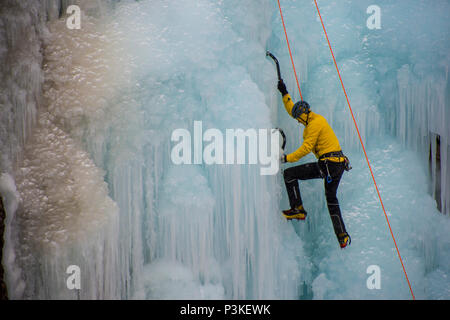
(282, 136)
(268, 54)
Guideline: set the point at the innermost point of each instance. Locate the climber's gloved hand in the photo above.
(282, 157)
(282, 87)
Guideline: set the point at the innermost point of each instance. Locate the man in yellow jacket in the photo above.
(319, 138)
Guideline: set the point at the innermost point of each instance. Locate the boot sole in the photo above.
(344, 245)
(297, 217)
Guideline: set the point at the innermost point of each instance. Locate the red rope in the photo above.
(290, 52)
(367, 158)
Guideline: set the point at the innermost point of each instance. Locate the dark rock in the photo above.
(3, 291)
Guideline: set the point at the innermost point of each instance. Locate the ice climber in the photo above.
(319, 138)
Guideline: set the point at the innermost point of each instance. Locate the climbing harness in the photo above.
(336, 154)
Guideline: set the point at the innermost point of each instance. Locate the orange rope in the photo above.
(290, 53)
(367, 158)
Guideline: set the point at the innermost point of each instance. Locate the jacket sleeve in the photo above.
(310, 140)
(288, 103)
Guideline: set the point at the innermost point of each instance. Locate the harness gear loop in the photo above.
(329, 179)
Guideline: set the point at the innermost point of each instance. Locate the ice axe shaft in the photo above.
(268, 54)
(283, 136)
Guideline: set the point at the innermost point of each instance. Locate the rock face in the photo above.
(23, 36)
(3, 291)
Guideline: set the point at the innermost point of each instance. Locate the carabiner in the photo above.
(329, 179)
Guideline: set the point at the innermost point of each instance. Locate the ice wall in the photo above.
(113, 92)
(415, 90)
(63, 214)
(388, 99)
(118, 94)
(65, 218)
(216, 227)
(399, 83)
(22, 29)
(21, 74)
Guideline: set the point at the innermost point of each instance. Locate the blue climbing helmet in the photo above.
(300, 108)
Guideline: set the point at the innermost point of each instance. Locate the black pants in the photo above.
(318, 170)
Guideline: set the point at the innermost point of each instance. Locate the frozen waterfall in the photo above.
(88, 180)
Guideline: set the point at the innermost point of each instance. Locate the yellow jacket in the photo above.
(318, 136)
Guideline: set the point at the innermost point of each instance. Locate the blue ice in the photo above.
(215, 231)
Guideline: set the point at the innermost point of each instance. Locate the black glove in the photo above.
(282, 87)
(283, 158)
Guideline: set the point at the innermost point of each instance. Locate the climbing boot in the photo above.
(344, 239)
(298, 213)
